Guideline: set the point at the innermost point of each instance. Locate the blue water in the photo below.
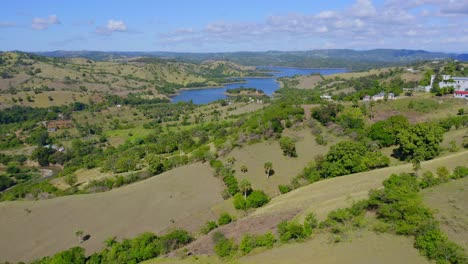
(268, 85)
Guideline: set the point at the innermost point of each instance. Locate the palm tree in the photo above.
(245, 187)
(244, 168)
(231, 160)
(79, 235)
(268, 166)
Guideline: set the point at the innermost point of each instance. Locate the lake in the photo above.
(268, 85)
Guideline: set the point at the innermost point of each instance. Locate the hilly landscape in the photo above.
(94, 156)
(208, 132)
(324, 58)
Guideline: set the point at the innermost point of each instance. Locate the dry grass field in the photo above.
(450, 201)
(179, 198)
(436, 107)
(324, 196)
(365, 247)
(285, 168)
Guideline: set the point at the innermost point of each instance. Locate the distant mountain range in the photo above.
(327, 58)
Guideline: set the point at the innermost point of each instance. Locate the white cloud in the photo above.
(116, 25)
(111, 27)
(363, 8)
(40, 23)
(363, 24)
(326, 14)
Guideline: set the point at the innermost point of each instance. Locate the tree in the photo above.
(268, 166)
(288, 146)
(386, 131)
(351, 118)
(79, 234)
(41, 154)
(244, 168)
(420, 142)
(245, 187)
(348, 157)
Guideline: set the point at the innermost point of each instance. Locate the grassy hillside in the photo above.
(179, 198)
(25, 78)
(350, 59)
(449, 201)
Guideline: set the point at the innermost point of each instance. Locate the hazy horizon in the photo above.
(208, 26)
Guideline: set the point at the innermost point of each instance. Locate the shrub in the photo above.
(460, 172)
(210, 225)
(225, 247)
(266, 240)
(428, 180)
(311, 221)
(224, 219)
(443, 173)
(239, 202)
(381, 227)
(340, 215)
(284, 188)
(257, 199)
(291, 231)
(247, 244)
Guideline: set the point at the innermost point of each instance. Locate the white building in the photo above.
(458, 83)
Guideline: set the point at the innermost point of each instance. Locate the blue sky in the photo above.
(254, 25)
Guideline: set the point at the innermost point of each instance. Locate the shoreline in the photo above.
(287, 67)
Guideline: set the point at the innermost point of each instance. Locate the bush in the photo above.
(443, 173)
(428, 180)
(210, 225)
(381, 227)
(257, 199)
(291, 231)
(224, 219)
(239, 202)
(311, 221)
(266, 240)
(143, 247)
(284, 188)
(460, 172)
(249, 242)
(340, 215)
(225, 247)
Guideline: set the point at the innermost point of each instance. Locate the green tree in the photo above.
(41, 154)
(351, 118)
(386, 131)
(288, 146)
(420, 142)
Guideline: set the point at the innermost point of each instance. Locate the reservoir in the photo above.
(268, 85)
